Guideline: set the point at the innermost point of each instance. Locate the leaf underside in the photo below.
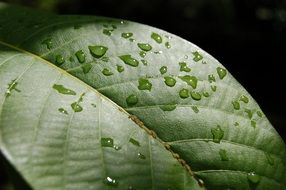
(67, 83)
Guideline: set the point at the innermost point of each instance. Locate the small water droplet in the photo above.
(269, 158)
(142, 54)
(134, 142)
(132, 100)
(168, 107)
(249, 113)
(235, 105)
(259, 113)
(170, 81)
(211, 78)
(141, 156)
(186, 57)
(223, 155)
(184, 93)
(195, 109)
(59, 60)
(163, 70)
(131, 187)
(253, 178)
(158, 52)
(86, 68)
(213, 87)
(97, 51)
(80, 56)
(236, 124)
(244, 99)
(217, 134)
(184, 67)
(131, 39)
(126, 35)
(116, 147)
(127, 59)
(190, 80)
(197, 56)
(156, 37)
(106, 142)
(221, 72)
(93, 105)
(107, 72)
(206, 94)
(76, 107)
(110, 181)
(63, 90)
(253, 123)
(144, 62)
(62, 110)
(144, 84)
(120, 68)
(48, 42)
(144, 46)
(168, 45)
(12, 86)
(107, 32)
(196, 95)
(104, 58)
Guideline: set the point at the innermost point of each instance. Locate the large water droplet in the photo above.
(134, 142)
(107, 72)
(156, 37)
(197, 56)
(184, 67)
(253, 178)
(144, 84)
(126, 35)
(163, 70)
(167, 45)
(144, 47)
(59, 60)
(169, 107)
(141, 156)
(131, 100)
(190, 80)
(269, 158)
(63, 90)
(120, 68)
(12, 86)
(221, 72)
(76, 107)
(127, 59)
(244, 99)
(184, 93)
(86, 68)
(211, 78)
(106, 142)
(62, 110)
(235, 105)
(217, 134)
(80, 56)
(170, 81)
(223, 155)
(110, 181)
(97, 51)
(48, 42)
(196, 95)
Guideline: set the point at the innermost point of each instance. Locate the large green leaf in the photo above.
(176, 89)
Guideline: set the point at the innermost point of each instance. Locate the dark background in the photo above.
(247, 36)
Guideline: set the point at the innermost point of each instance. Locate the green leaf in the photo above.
(217, 127)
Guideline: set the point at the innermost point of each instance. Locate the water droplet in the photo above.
(253, 178)
(131, 100)
(244, 99)
(127, 59)
(221, 72)
(131, 39)
(59, 60)
(107, 32)
(134, 142)
(184, 67)
(105, 59)
(126, 35)
(196, 95)
(195, 109)
(168, 107)
(107, 72)
(269, 158)
(144, 47)
(110, 181)
(86, 68)
(80, 56)
(211, 78)
(163, 70)
(170, 81)
(62, 110)
(249, 113)
(223, 155)
(167, 45)
(184, 93)
(259, 113)
(48, 42)
(117, 147)
(120, 68)
(131, 188)
(97, 51)
(141, 156)
(142, 54)
(158, 52)
(236, 124)
(12, 86)
(156, 37)
(106, 142)
(190, 80)
(93, 105)
(144, 84)
(186, 57)
(235, 105)
(197, 56)
(61, 89)
(144, 62)
(76, 107)
(213, 87)
(253, 123)
(206, 94)
(217, 134)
